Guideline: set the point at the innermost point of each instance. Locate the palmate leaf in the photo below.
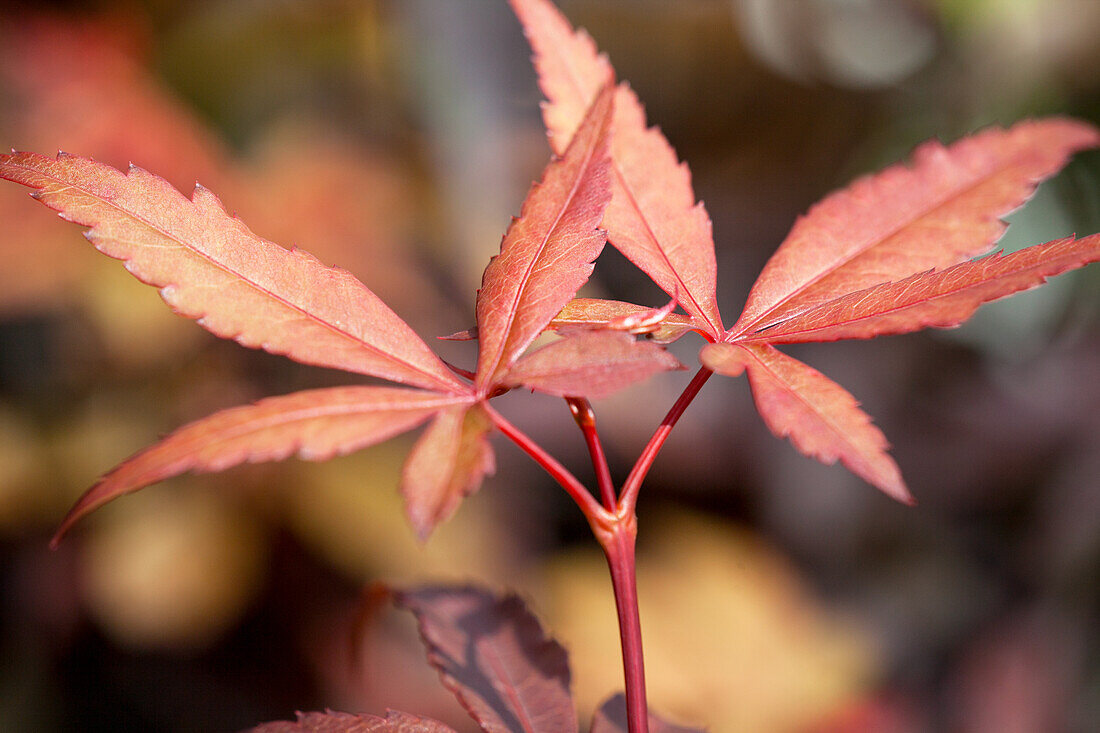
(592, 364)
(493, 655)
(209, 266)
(942, 209)
(548, 251)
(446, 465)
(314, 424)
(818, 415)
(333, 722)
(939, 299)
(653, 218)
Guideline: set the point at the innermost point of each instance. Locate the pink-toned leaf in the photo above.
(446, 465)
(653, 218)
(933, 299)
(617, 315)
(611, 718)
(470, 334)
(819, 416)
(209, 266)
(315, 424)
(940, 210)
(659, 325)
(333, 722)
(548, 251)
(492, 654)
(590, 364)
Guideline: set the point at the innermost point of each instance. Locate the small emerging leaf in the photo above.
(620, 316)
(209, 266)
(611, 718)
(821, 419)
(315, 424)
(493, 655)
(548, 251)
(446, 465)
(933, 299)
(941, 210)
(659, 325)
(653, 218)
(333, 722)
(592, 364)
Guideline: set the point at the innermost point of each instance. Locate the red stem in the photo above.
(586, 419)
(591, 508)
(618, 546)
(629, 497)
(615, 531)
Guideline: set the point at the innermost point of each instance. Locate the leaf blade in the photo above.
(592, 364)
(447, 464)
(941, 210)
(936, 299)
(493, 655)
(548, 251)
(334, 722)
(821, 419)
(653, 218)
(209, 266)
(314, 424)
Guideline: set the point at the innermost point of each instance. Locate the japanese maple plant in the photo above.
(892, 253)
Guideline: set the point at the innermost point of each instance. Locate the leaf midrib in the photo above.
(833, 427)
(448, 387)
(716, 329)
(281, 419)
(491, 375)
(766, 334)
(841, 262)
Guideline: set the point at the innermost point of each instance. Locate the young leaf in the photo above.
(314, 424)
(821, 419)
(548, 251)
(333, 722)
(615, 314)
(658, 324)
(941, 210)
(933, 299)
(653, 218)
(590, 364)
(209, 266)
(611, 718)
(446, 465)
(492, 654)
